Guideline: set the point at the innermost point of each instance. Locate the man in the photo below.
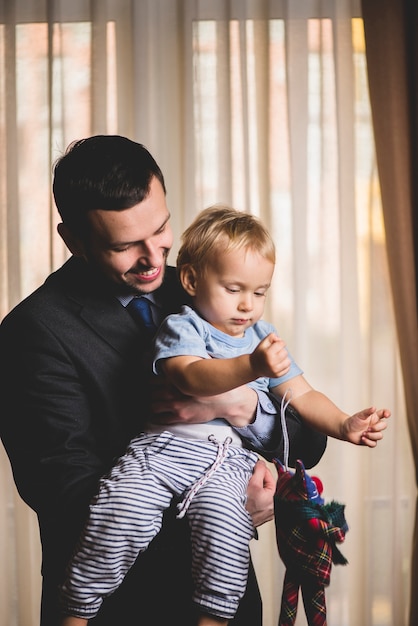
(78, 389)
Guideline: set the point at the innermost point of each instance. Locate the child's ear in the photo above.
(188, 279)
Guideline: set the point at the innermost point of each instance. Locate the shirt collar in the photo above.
(126, 298)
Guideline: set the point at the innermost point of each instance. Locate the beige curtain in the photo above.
(263, 105)
(392, 56)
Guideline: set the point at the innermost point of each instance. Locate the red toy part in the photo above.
(318, 483)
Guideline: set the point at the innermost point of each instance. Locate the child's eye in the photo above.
(232, 289)
(260, 294)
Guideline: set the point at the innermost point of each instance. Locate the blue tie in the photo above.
(140, 309)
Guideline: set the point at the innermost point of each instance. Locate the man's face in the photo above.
(130, 247)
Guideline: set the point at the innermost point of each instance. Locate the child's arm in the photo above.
(365, 427)
(195, 376)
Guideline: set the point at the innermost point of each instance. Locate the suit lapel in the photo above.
(111, 321)
(92, 302)
(102, 311)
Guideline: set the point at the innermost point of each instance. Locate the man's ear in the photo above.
(188, 279)
(73, 243)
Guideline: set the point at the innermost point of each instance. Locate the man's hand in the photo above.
(170, 406)
(260, 494)
(73, 621)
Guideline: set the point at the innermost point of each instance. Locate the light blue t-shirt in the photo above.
(186, 333)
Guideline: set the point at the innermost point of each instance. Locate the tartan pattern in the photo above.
(290, 597)
(307, 533)
(313, 600)
(315, 605)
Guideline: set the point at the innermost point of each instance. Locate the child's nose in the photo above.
(246, 302)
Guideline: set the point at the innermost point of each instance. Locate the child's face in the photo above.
(231, 293)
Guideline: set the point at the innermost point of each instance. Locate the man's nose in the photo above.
(151, 254)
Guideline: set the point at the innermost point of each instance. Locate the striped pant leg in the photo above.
(221, 530)
(124, 517)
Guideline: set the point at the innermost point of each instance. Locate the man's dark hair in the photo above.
(105, 172)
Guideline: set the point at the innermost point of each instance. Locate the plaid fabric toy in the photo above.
(307, 532)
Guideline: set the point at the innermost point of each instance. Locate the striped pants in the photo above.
(127, 514)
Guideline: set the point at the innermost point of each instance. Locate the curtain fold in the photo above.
(262, 105)
(392, 54)
(394, 118)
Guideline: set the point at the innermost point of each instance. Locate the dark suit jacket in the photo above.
(76, 389)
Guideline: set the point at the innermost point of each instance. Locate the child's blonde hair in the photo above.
(221, 229)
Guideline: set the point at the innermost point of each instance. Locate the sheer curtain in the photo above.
(263, 105)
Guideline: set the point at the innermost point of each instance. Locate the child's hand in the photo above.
(366, 427)
(270, 357)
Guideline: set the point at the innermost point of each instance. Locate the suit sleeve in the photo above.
(265, 434)
(47, 430)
